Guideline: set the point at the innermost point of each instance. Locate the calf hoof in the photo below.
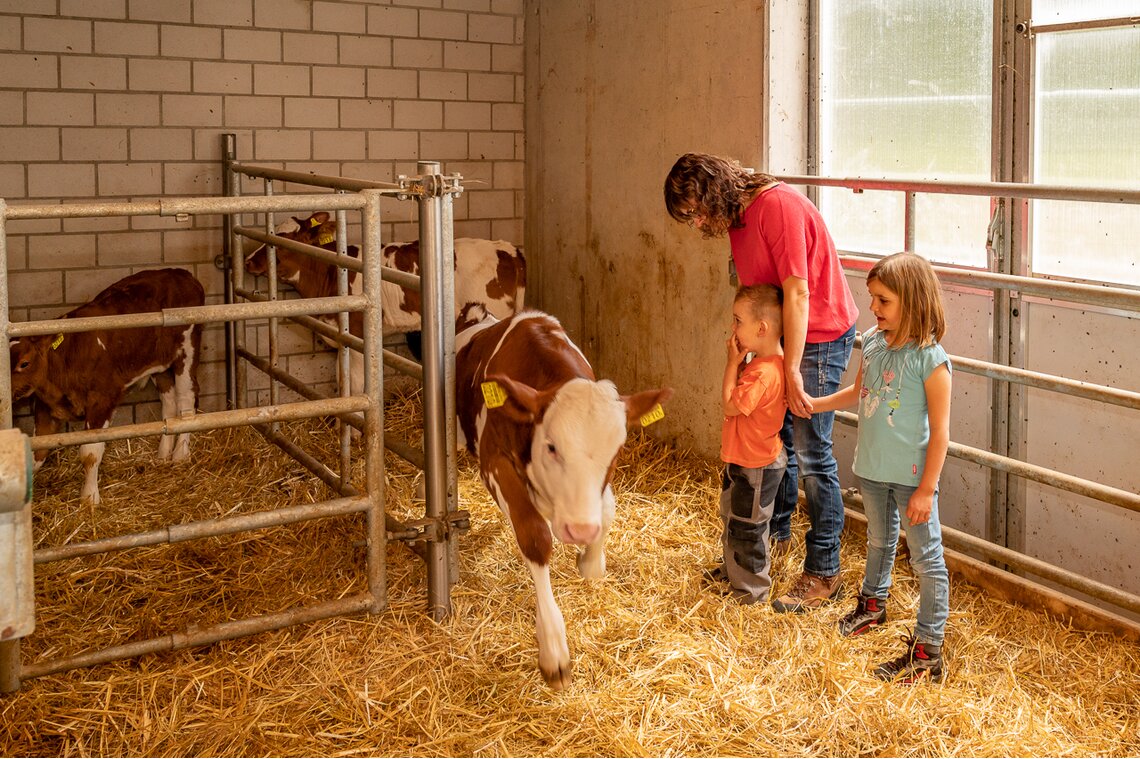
(557, 679)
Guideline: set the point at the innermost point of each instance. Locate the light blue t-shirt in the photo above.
(894, 426)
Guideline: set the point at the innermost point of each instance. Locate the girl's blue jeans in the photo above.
(885, 503)
(811, 462)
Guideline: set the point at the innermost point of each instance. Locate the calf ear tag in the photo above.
(58, 341)
(654, 414)
(326, 237)
(494, 394)
(314, 222)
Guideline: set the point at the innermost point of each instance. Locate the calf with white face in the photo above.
(546, 434)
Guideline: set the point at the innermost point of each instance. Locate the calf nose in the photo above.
(580, 534)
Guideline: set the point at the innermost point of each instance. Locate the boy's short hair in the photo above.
(766, 302)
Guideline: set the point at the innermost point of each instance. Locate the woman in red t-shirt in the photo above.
(778, 237)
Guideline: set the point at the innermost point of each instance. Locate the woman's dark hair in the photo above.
(718, 188)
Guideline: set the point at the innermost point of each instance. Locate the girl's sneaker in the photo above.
(868, 614)
(921, 660)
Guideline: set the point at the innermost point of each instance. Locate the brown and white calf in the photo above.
(546, 434)
(82, 376)
(487, 272)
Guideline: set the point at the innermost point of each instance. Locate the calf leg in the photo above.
(91, 455)
(185, 400)
(45, 424)
(550, 628)
(592, 558)
(166, 394)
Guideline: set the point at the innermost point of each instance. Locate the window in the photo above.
(906, 92)
(1086, 117)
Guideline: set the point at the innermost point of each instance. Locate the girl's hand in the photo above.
(919, 506)
(799, 402)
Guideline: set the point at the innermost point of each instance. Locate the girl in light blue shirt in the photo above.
(903, 393)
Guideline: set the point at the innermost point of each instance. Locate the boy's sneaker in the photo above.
(868, 614)
(920, 660)
(809, 592)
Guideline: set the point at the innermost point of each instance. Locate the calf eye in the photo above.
(551, 449)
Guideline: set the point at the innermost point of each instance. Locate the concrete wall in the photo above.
(615, 92)
(126, 99)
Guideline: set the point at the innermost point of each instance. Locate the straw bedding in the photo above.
(663, 665)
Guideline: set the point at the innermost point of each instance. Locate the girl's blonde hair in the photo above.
(922, 317)
(720, 187)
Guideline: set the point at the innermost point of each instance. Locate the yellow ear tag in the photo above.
(313, 222)
(654, 414)
(326, 237)
(58, 341)
(494, 394)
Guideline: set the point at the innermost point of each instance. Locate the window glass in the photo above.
(1066, 11)
(905, 92)
(1086, 129)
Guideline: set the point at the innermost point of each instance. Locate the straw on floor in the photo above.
(662, 664)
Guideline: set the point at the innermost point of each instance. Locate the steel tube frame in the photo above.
(208, 528)
(214, 634)
(966, 542)
(433, 260)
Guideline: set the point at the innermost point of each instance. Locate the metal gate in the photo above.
(438, 530)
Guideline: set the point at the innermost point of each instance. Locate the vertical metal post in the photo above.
(237, 282)
(449, 415)
(274, 322)
(432, 262)
(229, 155)
(9, 649)
(909, 213)
(343, 357)
(374, 416)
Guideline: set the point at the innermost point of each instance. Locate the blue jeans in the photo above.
(885, 506)
(810, 460)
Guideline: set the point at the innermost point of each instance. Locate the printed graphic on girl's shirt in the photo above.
(871, 397)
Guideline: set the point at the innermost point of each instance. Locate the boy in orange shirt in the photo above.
(754, 406)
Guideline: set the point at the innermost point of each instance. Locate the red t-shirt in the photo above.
(752, 437)
(784, 236)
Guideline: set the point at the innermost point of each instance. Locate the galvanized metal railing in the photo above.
(1121, 298)
(439, 526)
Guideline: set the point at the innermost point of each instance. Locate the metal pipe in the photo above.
(333, 258)
(191, 206)
(322, 328)
(300, 388)
(909, 213)
(1095, 295)
(1073, 26)
(205, 636)
(207, 421)
(435, 379)
(1059, 480)
(451, 447)
(373, 329)
(209, 528)
(177, 317)
(229, 153)
(985, 189)
(966, 542)
(318, 180)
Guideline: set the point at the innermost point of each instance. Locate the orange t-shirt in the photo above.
(752, 437)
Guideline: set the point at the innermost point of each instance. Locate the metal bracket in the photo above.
(429, 186)
(434, 530)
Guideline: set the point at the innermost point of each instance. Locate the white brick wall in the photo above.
(126, 99)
